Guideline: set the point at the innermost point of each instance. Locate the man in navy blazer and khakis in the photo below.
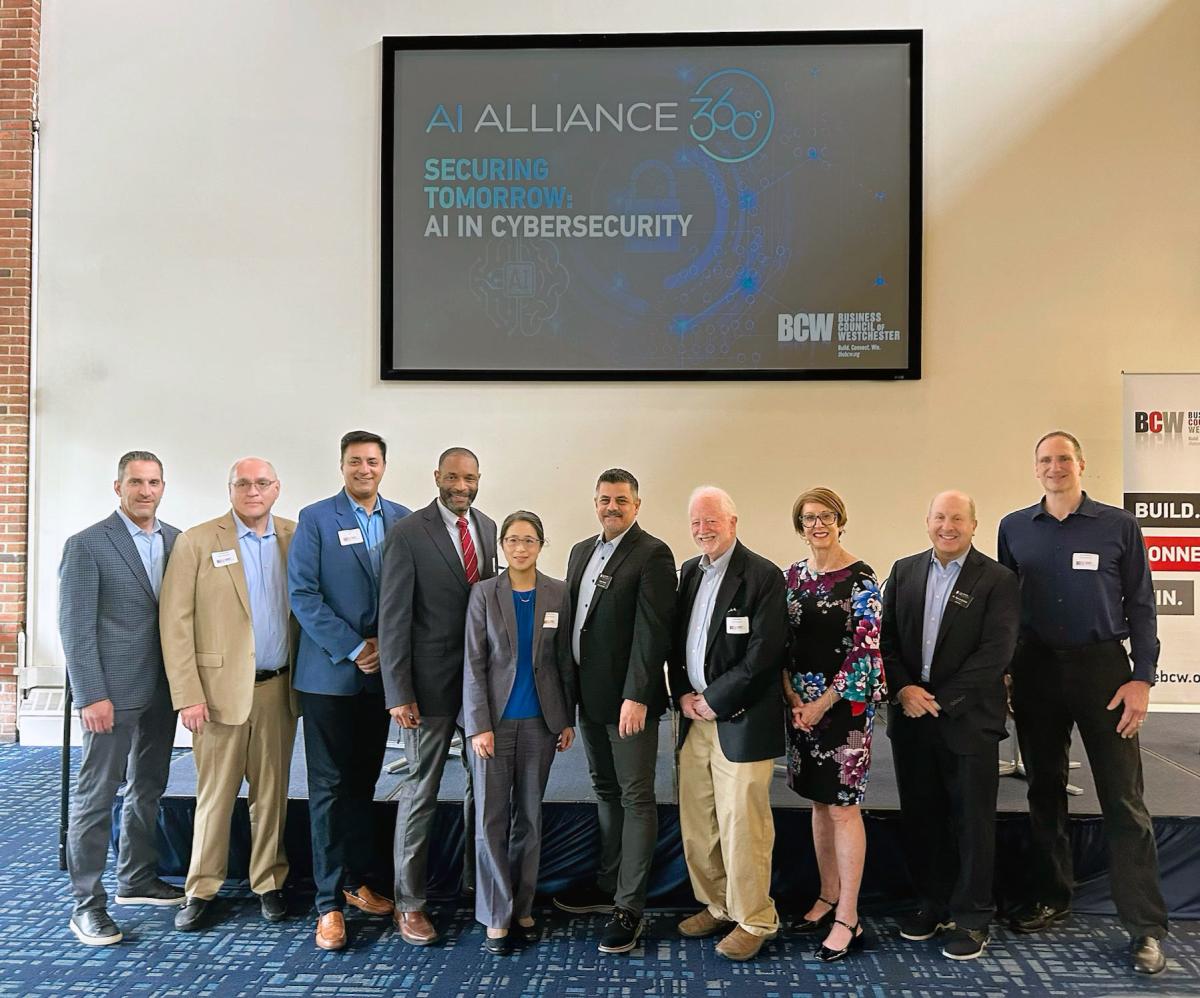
(109, 582)
(333, 582)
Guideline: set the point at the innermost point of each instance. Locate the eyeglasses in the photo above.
(245, 485)
(828, 518)
(520, 542)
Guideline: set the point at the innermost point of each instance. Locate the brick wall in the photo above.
(20, 32)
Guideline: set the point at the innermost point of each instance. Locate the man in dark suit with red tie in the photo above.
(430, 561)
(950, 618)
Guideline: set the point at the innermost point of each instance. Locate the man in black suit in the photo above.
(430, 561)
(729, 649)
(950, 619)
(622, 585)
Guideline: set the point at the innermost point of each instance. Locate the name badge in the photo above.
(960, 598)
(737, 625)
(604, 582)
(551, 619)
(1083, 561)
(223, 558)
(348, 537)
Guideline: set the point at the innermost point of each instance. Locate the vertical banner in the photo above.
(1162, 490)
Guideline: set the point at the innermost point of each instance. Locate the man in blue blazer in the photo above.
(333, 583)
(109, 582)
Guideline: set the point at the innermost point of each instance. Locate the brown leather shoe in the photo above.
(741, 945)
(365, 899)
(331, 931)
(414, 927)
(701, 925)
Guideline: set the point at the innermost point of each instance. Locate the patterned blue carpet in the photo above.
(245, 956)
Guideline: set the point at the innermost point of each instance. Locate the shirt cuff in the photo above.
(353, 655)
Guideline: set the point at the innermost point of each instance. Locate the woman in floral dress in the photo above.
(832, 683)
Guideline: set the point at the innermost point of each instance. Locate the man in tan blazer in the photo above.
(228, 645)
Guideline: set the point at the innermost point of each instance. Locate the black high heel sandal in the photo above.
(858, 940)
(805, 926)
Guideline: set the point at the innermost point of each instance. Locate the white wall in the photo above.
(209, 272)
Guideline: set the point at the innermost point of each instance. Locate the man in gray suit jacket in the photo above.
(109, 582)
(430, 561)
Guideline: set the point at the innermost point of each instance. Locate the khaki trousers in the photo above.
(728, 831)
(260, 750)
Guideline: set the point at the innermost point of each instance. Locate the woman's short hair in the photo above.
(824, 496)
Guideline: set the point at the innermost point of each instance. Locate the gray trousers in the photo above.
(508, 820)
(137, 752)
(426, 748)
(623, 778)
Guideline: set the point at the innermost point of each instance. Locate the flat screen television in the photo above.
(666, 207)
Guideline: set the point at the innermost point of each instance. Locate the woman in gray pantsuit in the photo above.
(519, 703)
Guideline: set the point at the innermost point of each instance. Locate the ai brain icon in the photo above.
(733, 115)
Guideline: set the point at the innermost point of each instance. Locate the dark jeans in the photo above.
(344, 742)
(948, 807)
(623, 778)
(1052, 692)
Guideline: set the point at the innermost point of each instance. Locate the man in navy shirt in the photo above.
(1085, 588)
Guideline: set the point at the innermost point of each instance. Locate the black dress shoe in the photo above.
(524, 935)
(622, 932)
(156, 892)
(193, 915)
(95, 928)
(497, 945)
(1038, 918)
(1147, 954)
(804, 926)
(274, 906)
(858, 941)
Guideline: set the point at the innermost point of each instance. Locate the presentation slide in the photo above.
(617, 208)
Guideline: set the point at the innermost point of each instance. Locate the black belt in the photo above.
(1072, 651)
(262, 675)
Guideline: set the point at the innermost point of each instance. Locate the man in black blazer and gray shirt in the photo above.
(109, 582)
(726, 659)
(622, 589)
(950, 620)
(431, 558)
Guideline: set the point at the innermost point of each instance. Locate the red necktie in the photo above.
(470, 559)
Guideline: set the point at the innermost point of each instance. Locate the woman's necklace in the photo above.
(525, 597)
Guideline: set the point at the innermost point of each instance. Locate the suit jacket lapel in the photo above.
(119, 534)
(964, 583)
(539, 614)
(576, 567)
(725, 594)
(348, 521)
(914, 595)
(227, 540)
(487, 541)
(504, 595)
(610, 567)
(435, 526)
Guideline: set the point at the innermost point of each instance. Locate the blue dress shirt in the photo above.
(712, 572)
(371, 525)
(938, 584)
(587, 584)
(266, 583)
(150, 549)
(1084, 580)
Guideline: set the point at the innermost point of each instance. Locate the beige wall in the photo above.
(209, 272)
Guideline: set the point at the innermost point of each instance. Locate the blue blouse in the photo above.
(523, 701)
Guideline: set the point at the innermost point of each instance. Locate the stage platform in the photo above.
(1170, 756)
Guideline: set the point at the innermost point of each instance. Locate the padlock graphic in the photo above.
(652, 192)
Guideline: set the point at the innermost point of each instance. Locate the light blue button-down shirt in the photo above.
(702, 611)
(371, 525)
(266, 583)
(587, 585)
(938, 584)
(151, 549)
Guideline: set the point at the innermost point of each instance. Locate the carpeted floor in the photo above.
(245, 956)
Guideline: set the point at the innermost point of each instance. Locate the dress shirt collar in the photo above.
(720, 563)
(449, 516)
(355, 504)
(959, 561)
(134, 529)
(243, 530)
(1086, 507)
(600, 541)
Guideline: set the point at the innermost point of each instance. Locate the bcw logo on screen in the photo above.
(805, 327)
(1173, 554)
(1167, 422)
